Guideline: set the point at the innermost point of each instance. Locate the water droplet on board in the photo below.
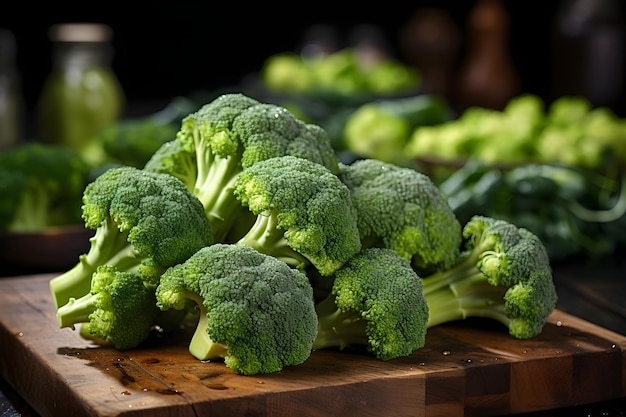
(446, 353)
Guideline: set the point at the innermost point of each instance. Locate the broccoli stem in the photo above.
(267, 237)
(463, 291)
(214, 188)
(338, 329)
(109, 246)
(201, 346)
(76, 310)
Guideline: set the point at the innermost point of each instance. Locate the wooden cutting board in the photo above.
(471, 368)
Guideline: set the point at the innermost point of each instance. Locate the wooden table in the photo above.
(471, 368)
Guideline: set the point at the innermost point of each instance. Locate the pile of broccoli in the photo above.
(247, 229)
(40, 187)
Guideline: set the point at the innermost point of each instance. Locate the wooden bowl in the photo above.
(52, 250)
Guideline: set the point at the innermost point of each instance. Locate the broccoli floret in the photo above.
(171, 158)
(402, 209)
(144, 222)
(376, 302)
(41, 186)
(381, 129)
(256, 313)
(120, 308)
(505, 275)
(304, 213)
(232, 133)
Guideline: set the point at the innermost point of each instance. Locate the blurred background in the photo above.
(173, 48)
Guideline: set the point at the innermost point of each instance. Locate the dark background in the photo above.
(164, 49)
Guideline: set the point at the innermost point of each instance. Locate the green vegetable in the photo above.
(504, 275)
(304, 214)
(568, 132)
(256, 313)
(133, 141)
(402, 209)
(381, 129)
(120, 308)
(171, 158)
(574, 211)
(40, 187)
(128, 142)
(341, 72)
(376, 302)
(230, 134)
(144, 222)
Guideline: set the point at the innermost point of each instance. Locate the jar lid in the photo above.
(80, 32)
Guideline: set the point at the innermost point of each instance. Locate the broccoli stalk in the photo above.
(119, 308)
(376, 302)
(504, 275)
(144, 222)
(267, 236)
(304, 213)
(256, 313)
(227, 136)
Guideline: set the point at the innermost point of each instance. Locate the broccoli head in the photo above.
(120, 308)
(376, 302)
(504, 274)
(256, 313)
(144, 222)
(41, 186)
(304, 213)
(232, 133)
(402, 209)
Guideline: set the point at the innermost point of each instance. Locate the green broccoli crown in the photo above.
(209, 130)
(120, 308)
(376, 301)
(145, 222)
(268, 130)
(257, 313)
(300, 205)
(49, 190)
(164, 221)
(402, 209)
(504, 274)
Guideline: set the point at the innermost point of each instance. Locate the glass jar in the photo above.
(82, 94)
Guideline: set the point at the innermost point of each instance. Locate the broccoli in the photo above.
(120, 308)
(40, 186)
(376, 302)
(144, 222)
(133, 141)
(504, 274)
(402, 209)
(381, 129)
(232, 133)
(304, 213)
(171, 158)
(256, 313)
(129, 142)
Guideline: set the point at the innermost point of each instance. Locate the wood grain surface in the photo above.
(470, 368)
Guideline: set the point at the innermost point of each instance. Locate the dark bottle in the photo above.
(487, 76)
